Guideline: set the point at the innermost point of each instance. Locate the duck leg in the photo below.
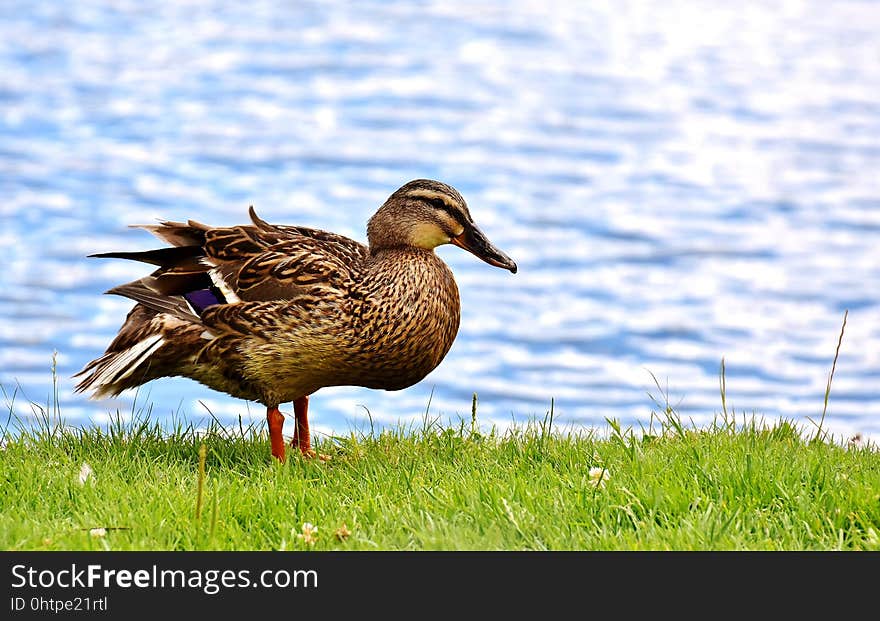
(276, 423)
(301, 437)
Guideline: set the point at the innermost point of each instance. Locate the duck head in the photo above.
(427, 214)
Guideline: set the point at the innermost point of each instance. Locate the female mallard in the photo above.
(272, 313)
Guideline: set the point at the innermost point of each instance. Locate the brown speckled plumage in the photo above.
(296, 309)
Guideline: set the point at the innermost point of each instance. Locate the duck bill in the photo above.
(474, 241)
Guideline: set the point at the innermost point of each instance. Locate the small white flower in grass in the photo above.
(309, 533)
(85, 473)
(598, 476)
(98, 532)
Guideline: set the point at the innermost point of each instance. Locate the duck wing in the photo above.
(261, 262)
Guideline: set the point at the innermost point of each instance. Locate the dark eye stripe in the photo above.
(439, 203)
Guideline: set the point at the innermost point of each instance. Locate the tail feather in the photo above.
(169, 304)
(191, 233)
(140, 291)
(169, 256)
(106, 374)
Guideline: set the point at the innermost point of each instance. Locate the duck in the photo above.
(272, 313)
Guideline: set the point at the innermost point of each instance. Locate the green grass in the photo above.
(728, 486)
(724, 487)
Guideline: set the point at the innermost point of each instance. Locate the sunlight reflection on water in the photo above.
(677, 186)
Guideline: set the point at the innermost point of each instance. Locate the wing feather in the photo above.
(254, 263)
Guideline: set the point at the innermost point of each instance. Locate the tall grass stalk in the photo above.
(203, 453)
(819, 432)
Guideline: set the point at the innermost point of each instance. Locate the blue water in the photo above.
(678, 182)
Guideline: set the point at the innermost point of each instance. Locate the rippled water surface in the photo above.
(678, 182)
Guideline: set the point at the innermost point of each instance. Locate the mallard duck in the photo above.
(272, 313)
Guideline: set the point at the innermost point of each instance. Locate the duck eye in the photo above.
(438, 203)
